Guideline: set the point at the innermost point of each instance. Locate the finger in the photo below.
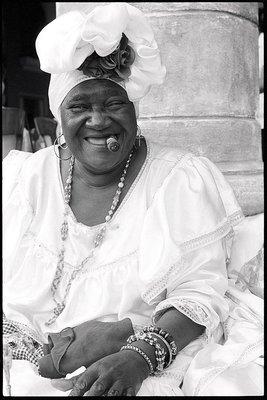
(84, 382)
(64, 384)
(130, 391)
(99, 387)
(116, 389)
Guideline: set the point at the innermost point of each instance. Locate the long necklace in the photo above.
(64, 234)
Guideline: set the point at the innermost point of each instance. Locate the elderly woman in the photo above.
(115, 250)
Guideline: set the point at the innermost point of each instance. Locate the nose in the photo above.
(97, 120)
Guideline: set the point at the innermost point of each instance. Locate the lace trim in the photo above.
(161, 283)
(236, 217)
(189, 308)
(225, 230)
(211, 374)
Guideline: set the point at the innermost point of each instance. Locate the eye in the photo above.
(78, 107)
(114, 104)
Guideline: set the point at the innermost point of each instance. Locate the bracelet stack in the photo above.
(158, 338)
(165, 335)
(152, 341)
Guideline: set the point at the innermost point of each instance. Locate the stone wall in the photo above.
(209, 100)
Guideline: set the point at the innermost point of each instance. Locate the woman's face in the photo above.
(90, 113)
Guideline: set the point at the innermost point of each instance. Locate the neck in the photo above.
(94, 179)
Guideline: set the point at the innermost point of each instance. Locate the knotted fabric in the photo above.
(65, 43)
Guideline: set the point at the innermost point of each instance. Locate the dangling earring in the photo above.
(139, 135)
(56, 142)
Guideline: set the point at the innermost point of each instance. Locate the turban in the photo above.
(65, 43)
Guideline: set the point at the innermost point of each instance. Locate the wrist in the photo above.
(137, 361)
(124, 329)
(147, 349)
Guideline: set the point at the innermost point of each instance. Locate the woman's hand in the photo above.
(93, 341)
(118, 374)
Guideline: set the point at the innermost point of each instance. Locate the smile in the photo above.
(98, 141)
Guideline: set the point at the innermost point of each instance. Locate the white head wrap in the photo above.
(64, 44)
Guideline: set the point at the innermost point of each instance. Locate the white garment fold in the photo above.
(166, 246)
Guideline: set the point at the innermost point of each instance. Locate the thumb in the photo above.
(65, 384)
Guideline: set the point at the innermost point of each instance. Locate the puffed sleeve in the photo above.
(186, 241)
(17, 210)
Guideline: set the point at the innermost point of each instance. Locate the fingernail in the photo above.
(113, 393)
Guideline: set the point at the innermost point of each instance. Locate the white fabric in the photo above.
(167, 245)
(61, 84)
(67, 41)
(245, 268)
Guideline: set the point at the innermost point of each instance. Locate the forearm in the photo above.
(181, 328)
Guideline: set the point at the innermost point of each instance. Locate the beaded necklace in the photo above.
(64, 234)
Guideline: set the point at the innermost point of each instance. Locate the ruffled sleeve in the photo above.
(186, 242)
(17, 210)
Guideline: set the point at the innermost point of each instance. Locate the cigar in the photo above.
(112, 144)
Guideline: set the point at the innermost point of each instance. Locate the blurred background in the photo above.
(211, 102)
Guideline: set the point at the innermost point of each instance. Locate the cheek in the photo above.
(130, 124)
(69, 126)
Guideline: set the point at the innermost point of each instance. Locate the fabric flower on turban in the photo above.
(113, 41)
(115, 66)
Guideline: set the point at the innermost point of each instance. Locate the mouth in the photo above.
(99, 141)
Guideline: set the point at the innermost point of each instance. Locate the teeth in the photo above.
(101, 141)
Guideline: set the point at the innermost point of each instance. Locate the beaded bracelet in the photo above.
(170, 359)
(160, 353)
(142, 353)
(165, 335)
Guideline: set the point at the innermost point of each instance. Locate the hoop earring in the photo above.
(62, 147)
(139, 136)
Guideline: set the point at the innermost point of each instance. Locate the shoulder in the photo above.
(176, 160)
(191, 181)
(167, 162)
(165, 154)
(23, 164)
(24, 172)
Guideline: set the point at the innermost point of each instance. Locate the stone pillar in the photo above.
(209, 100)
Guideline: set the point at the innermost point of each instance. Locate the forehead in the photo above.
(96, 89)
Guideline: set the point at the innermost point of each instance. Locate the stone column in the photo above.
(209, 100)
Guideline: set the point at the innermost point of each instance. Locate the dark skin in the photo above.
(106, 110)
(91, 112)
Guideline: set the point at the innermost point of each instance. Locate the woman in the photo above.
(116, 249)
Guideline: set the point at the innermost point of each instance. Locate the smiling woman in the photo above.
(91, 112)
(114, 261)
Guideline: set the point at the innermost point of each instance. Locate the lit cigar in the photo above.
(112, 144)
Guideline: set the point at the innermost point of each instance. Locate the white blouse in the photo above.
(166, 245)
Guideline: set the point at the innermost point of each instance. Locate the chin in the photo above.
(102, 164)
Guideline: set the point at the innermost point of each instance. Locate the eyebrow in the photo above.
(85, 96)
(78, 97)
